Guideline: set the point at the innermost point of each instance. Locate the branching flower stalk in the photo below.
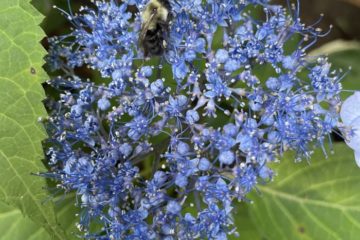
(163, 151)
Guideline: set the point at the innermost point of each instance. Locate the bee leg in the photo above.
(164, 26)
(164, 43)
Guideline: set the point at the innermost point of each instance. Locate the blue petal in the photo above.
(181, 180)
(221, 55)
(180, 70)
(204, 164)
(103, 104)
(190, 55)
(231, 65)
(200, 45)
(350, 108)
(146, 71)
(227, 157)
(354, 141)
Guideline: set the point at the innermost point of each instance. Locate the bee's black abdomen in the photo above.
(166, 4)
(153, 42)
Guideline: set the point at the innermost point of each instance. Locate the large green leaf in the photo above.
(67, 215)
(316, 201)
(245, 226)
(21, 74)
(14, 226)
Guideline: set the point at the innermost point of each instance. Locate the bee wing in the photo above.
(145, 26)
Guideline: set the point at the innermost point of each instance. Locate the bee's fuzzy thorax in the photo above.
(162, 8)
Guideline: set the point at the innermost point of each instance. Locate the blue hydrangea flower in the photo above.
(162, 150)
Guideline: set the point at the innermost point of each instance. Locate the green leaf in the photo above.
(316, 201)
(21, 75)
(14, 226)
(67, 214)
(245, 227)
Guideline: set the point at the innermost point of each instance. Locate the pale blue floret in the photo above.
(350, 109)
(350, 115)
(103, 104)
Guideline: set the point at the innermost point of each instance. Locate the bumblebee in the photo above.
(155, 27)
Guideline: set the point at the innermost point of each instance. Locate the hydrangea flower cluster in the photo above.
(144, 153)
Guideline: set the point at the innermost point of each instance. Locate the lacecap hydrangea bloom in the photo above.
(164, 148)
